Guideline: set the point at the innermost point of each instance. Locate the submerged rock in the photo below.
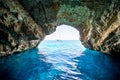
(25, 23)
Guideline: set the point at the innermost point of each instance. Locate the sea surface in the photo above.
(59, 60)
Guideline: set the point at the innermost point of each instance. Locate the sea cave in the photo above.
(24, 25)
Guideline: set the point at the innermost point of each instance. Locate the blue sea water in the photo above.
(59, 60)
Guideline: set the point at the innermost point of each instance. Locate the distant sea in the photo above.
(59, 60)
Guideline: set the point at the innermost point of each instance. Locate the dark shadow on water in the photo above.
(98, 66)
(23, 66)
(33, 66)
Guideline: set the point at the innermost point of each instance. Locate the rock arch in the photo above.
(27, 22)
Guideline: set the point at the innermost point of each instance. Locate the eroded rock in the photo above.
(18, 30)
(24, 23)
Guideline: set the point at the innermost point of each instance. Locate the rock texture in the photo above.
(24, 23)
(18, 31)
(105, 27)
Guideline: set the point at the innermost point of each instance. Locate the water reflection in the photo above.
(59, 63)
(25, 66)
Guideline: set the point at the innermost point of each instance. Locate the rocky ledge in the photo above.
(25, 23)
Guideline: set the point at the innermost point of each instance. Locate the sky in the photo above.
(64, 32)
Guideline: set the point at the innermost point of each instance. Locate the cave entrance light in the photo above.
(64, 32)
(65, 37)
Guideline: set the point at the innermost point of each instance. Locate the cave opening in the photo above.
(65, 38)
(64, 35)
(64, 32)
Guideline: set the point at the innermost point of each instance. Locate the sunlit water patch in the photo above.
(58, 60)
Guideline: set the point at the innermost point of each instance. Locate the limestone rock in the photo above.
(18, 31)
(25, 23)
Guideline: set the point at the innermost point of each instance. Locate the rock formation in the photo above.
(24, 23)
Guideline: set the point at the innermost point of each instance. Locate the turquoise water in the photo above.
(59, 60)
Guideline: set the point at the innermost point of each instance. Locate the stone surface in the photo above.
(24, 23)
(18, 31)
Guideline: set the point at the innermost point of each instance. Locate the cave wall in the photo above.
(105, 33)
(25, 23)
(18, 31)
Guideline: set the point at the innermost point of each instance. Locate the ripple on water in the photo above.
(58, 62)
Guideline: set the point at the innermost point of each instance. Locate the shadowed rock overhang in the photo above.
(25, 23)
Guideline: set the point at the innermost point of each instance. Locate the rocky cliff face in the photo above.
(18, 30)
(24, 23)
(105, 27)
